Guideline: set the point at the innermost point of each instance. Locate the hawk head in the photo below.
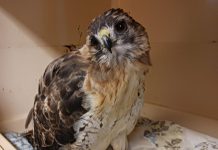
(115, 38)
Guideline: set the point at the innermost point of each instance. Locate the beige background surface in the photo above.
(184, 41)
(31, 35)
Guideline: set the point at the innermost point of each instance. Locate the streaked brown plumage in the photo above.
(92, 98)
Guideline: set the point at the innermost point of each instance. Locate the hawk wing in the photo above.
(59, 102)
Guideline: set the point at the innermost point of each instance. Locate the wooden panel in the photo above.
(4, 144)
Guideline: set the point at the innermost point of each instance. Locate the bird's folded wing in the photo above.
(58, 104)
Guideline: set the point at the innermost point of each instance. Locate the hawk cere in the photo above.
(91, 98)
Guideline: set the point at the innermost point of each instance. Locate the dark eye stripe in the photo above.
(93, 40)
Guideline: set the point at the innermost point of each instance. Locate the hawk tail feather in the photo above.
(29, 118)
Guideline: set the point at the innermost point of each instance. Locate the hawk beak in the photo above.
(107, 43)
(104, 35)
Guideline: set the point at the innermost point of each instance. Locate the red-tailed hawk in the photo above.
(90, 99)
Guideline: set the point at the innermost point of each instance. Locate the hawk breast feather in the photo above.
(59, 102)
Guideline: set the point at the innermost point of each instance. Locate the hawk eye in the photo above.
(120, 26)
(94, 41)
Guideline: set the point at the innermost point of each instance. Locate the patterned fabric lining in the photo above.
(167, 135)
(149, 135)
(18, 141)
